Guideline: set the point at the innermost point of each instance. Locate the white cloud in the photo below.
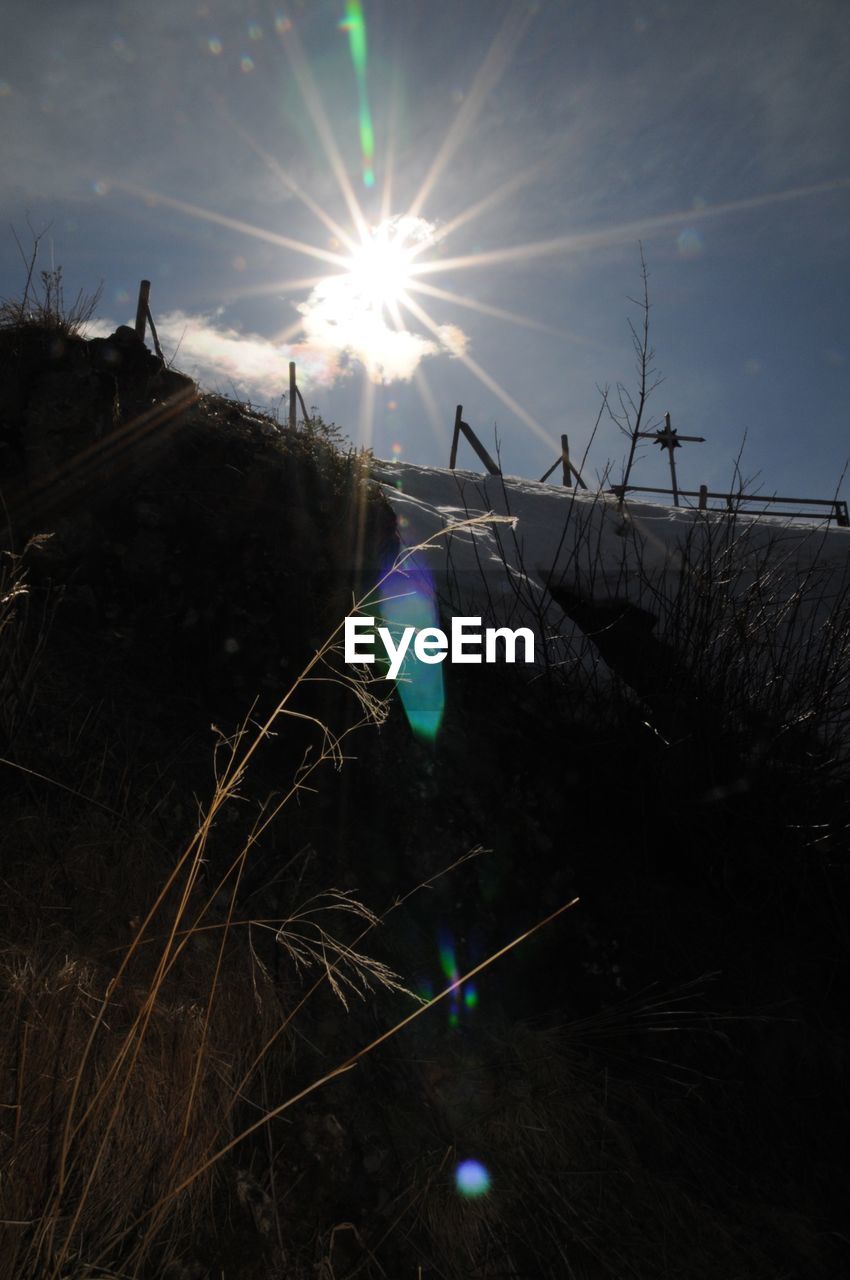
(213, 352)
(348, 313)
(344, 319)
(453, 340)
(335, 320)
(217, 355)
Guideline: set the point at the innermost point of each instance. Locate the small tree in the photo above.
(630, 419)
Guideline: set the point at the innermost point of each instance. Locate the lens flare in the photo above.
(426, 989)
(408, 600)
(472, 1179)
(690, 243)
(355, 24)
(465, 997)
(448, 961)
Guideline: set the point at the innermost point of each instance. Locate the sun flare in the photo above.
(381, 267)
(379, 271)
(377, 306)
(356, 311)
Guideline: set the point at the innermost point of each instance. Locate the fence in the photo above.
(470, 435)
(570, 471)
(144, 319)
(835, 508)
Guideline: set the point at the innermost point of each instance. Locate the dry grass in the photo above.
(126, 1082)
(131, 1140)
(150, 1047)
(41, 306)
(21, 644)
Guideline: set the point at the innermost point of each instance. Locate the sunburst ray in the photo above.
(473, 211)
(366, 411)
(624, 232)
(483, 376)
(390, 152)
(313, 103)
(487, 77)
(275, 167)
(439, 426)
(291, 331)
(270, 288)
(486, 309)
(232, 224)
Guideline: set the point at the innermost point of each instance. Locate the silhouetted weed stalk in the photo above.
(19, 659)
(42, 306)
(148, 1107)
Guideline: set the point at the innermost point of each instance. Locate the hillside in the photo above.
(232, 863)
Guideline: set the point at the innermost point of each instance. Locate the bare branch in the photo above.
(631, 422)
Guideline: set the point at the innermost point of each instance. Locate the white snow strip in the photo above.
(585, 541)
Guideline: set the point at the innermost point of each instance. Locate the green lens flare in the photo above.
(448, 964)
(355, 24)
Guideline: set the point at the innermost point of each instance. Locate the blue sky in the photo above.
(217, 149)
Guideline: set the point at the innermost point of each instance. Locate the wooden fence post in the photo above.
(292, 393)
(490, 465)
(455, 438)
(703, 497)
(142, 309)
(307, 418)
(571, 473)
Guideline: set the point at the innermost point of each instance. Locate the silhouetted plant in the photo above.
(42, 303)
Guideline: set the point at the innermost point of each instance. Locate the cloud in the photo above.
(342, 318)
(336, 321)
(453, 340)
(218, 355)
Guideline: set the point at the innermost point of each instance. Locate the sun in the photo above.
(380, 268)
(358, 309)
(373, 302)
